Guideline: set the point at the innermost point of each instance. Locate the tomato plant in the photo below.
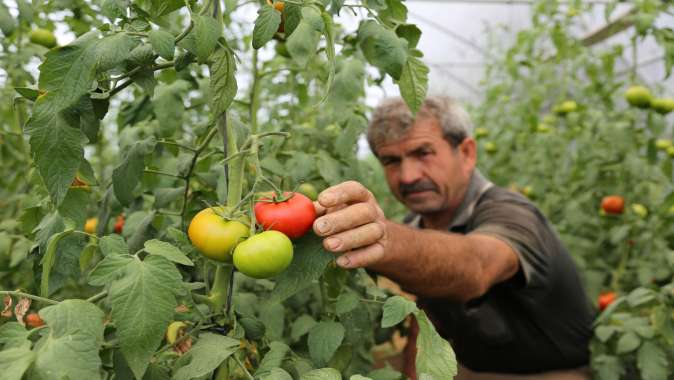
(293, 213)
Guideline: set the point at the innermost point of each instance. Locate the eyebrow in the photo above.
(414, 151)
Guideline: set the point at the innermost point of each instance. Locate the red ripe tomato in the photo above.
(119, 224)
(613, 204)
(606, 299)
(34, 320)
(293, 216)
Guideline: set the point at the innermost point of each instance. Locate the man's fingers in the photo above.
(355, 238)
(361, 257)
(348, 217)
(346, 192)
(320, 210)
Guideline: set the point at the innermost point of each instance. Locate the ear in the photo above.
(468, 151)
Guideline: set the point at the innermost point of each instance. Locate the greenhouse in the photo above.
(337, 189)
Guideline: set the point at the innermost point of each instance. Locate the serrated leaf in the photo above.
(71, 206)
(604, 333)
(272, 359)
(266, 24)
(143, 302)
(383, 48)
(27, 92)
(223, 84)
(652, 362)
(272, 315)
(346, 302)
(12, 335)
(15, 361)
(128, 174)
(413, 83)
(167, 250)
(435, 357)
(411, 33)
(628, 342)
(608, 367)
(49, 259)
(143, 230)
(206, 355)
(640, 296)
(324, 340)
(56, 144)
(71, 348)
(395, 310)
(301, 326)
(329, 168)
(110, 269)
(111, 51)
(329, 52)
(203, 38)
(322, 374)
(113, 245)
(163, 43)
(348, 86)
(276, 374)
(309, 262)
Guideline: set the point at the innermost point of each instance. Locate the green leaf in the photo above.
(359, 377)
(128, 174)
(409, 32)
(142, 230)
(324, 340)
(206, 355)
(303, 43)
(110, 269)
(329, 168)
(203, 38)
(7, 21)
(413, 83)
(435, 357)
(15, 361)
(301, 326)
(608, 367)
(346, 302)
(385, 373)
(293, 16)
(329, 51)
(142, 302)
(272, 315)
(628, 342)
(142, 55)
(223, 84)
(652, 362)
(253, 328)
(395, 310)
(266, 24)
(71, 206)
(49, 259)
(113, 50)
(395, 12)
(640, 296)
(309, 262)
(75, 337)
(113, 245)
(168, 106)
(167, 250)
(276, 374)
(348, 86)
(56, 144)
(12, 335)
(322, 374)
(163, 43)
(604, 333)
(273, 358)
(27, 92)
(383, 48)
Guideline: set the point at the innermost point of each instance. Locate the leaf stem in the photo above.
(164, 142)
(243, 367)
(187, 177)
(27, 295)
(97, 297)
(159, 172)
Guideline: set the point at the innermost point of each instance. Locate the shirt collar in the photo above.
(478, 185)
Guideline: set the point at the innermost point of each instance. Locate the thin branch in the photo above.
(159, 172)
(27, 295)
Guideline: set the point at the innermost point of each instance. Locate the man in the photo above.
(484, 262)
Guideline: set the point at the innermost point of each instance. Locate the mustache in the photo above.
(407, 188)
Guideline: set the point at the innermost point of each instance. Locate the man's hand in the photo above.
(352, 223)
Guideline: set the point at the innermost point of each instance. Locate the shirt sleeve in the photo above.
(526, 231)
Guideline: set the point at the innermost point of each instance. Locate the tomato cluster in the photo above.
(219, 236)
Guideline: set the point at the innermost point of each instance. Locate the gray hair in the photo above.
(392, 119)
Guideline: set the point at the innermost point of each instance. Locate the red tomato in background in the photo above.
(34, 320)
(613, 204)
(119, 224)
(293, 216)
(606, 299)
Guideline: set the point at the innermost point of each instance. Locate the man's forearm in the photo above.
(432, 263)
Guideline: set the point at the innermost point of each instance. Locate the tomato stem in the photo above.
(27, 295)
(254, 98)
(221, 285)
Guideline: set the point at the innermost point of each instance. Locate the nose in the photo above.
(410, 171)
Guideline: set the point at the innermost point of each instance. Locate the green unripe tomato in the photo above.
(481, 132)
(670, 151)
(264, 255)
(638, 96)
(565, 107)
(282, 49)
(640, 210)
(543, 128)
(309, 190)
(490, 147)
(42, 37)
(662, 106)
(214, 236)
(663, 144)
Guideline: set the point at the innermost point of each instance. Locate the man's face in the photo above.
(423, 170)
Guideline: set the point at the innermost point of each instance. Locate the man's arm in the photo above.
(424, 262)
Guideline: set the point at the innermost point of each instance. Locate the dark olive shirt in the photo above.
(539, 320)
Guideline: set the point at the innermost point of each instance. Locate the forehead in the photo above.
(424, 132)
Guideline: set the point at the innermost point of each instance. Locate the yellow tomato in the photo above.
(214, 236)
(90, 225)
